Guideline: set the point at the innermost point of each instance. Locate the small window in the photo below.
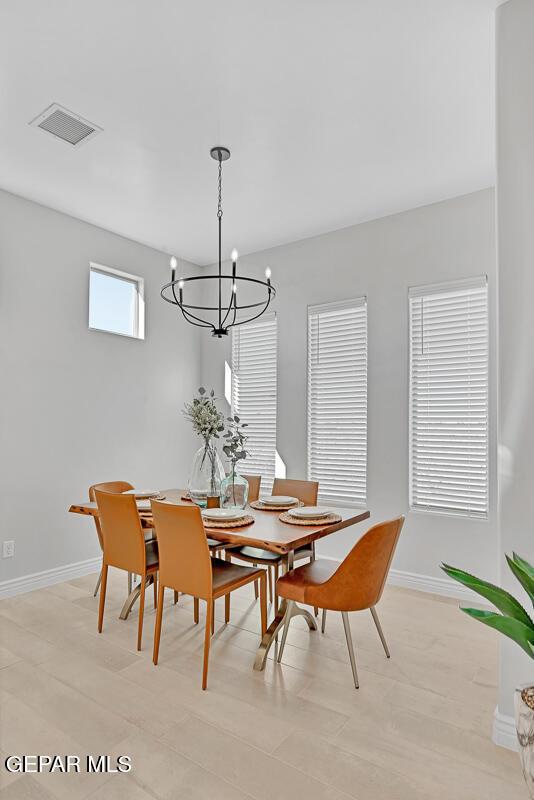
(449, 362)
(116, 302)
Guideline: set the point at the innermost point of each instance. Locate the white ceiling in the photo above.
(335, 111)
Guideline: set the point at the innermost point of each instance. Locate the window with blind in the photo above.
(254, 394)
(337, 400)
(449, 398)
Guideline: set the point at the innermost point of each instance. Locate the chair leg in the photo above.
(98, 582)
(195, 610)
(275, 590)
(380, 631)
(212, 617)
(155, 584)
(263, 603)
(141, 612)
(130, 583)
(323, 621)
(227, 596)
(207, 637)
(102, 597)
(270, 577)
(348, 637)
(176, 595)
(255, 585)
(159, 616)
(287, 617)
(315, 609)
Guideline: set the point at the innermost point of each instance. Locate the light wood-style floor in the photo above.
(418, 728)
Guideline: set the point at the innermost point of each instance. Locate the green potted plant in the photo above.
(234, 488)
(512, 621)
(207, 470)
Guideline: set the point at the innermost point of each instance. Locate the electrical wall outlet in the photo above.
(8, 549)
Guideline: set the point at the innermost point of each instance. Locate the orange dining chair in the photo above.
(354, 585)
(185, 565)
(125, 548)
(111, 486)
(306, 492)
(254, 484)
(215, 547)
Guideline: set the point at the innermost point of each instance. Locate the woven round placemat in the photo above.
(329, 520)
(237, 523)
(261, 506)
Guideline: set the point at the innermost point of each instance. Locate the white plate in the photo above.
(278, 500)
(142, 495)
(226, 514)
(144, 505)
(309, 512)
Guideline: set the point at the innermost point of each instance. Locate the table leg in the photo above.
(273, 629)
(132, 597)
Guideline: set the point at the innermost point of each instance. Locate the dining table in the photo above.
(267, 532)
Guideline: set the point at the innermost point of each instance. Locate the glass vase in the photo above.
(234, 490)
(524, 720)
(206, 475)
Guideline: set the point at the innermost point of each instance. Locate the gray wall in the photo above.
(80, 406)
(380, 259)
(515, 194)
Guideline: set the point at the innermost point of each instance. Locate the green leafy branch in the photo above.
(513, 621)
(236, 439)
(204, 415)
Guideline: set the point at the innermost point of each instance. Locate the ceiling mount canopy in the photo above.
(228, 312)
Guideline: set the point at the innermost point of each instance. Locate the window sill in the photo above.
(449, 514)
(117, 333)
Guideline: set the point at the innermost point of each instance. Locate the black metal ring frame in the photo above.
(187, 308)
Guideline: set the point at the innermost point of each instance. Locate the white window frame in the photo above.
(139, 283)
(432, 290)
(340, 305)
(267, 478)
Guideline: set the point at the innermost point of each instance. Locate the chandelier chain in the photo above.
(219, 205)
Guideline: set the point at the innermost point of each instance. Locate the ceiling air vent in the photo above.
(65, 125)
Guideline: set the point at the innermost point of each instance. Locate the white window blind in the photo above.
(254, 394)
(449, 397)
(337, 400)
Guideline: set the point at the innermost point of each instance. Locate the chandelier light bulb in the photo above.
(173, 262)
(234, 255)
(180, 284)
(234, 288)
(268, 273)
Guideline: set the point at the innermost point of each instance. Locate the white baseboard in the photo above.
(397, 577)
(427, 583)
(504, 732)
(28, 583)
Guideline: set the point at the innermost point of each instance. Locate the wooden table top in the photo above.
(267, 531)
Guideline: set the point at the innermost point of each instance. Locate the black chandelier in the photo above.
(227, 314)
